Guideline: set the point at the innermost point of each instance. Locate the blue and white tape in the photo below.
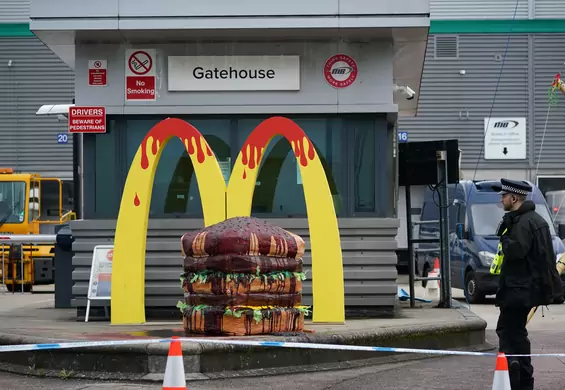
(278, 344)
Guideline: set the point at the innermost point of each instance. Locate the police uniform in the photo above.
(525, 261)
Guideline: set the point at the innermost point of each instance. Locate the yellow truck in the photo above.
(29, 205)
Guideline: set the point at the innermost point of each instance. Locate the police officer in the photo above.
(528, 276)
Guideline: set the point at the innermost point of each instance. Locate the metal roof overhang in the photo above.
(409, 34)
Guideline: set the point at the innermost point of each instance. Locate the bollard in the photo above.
(63, 263)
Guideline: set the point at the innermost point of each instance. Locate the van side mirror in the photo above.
(561, 231)
(462, 233)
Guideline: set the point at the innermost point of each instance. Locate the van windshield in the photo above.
(487, 216)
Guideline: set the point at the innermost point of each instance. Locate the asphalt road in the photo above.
(451, 373)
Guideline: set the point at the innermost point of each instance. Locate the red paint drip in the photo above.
(252, 150)
(172, 127)
(244, 174)
(136, 201)
(208, 150)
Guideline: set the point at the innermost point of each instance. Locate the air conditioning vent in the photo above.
(446, 47)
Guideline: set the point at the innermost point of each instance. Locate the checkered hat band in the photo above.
(514, 190)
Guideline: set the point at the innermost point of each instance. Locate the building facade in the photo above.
(31, 75)
(350, 118)
(493, 59)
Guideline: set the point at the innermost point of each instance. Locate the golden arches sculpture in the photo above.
(219, 203)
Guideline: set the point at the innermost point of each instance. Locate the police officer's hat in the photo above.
(512, 187)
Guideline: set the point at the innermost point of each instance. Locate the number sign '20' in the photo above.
(62, 138)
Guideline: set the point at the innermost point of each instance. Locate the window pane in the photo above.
(108, 197)
(12, 201)
(175, 189)
(279, 189)
(364, 164)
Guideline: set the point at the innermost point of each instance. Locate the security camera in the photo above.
(406, 91)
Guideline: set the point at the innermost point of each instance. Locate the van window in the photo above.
(430, 212)
(487, 217)
(452, 216)
(462, 215)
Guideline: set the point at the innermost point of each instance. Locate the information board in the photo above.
(99, 286)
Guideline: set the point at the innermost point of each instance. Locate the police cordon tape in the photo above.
(279, 344)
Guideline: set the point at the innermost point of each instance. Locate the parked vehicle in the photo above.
(556, 203)
(474, 215)
(29, 204)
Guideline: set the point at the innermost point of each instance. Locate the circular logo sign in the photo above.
(110, 255)
(340, 71)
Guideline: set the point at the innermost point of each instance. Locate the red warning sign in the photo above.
(140, 74)
(97, 73)
(87, 119)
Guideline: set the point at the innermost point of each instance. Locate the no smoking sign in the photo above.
(140, 74)
(140, 63)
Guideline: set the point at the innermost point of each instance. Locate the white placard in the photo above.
(505, 138)
(234, 73)
(99, 286)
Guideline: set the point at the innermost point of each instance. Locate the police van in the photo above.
(475, 213)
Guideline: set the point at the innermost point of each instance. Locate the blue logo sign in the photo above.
(62, 138)
(402, 136)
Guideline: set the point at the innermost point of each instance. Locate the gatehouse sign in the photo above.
(234, 73)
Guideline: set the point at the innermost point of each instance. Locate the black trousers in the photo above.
(513, 339)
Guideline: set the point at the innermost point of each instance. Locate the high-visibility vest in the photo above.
(498, 258)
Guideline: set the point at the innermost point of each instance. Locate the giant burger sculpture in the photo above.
(242, 276)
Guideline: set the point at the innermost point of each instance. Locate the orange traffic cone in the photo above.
(174, 371)
(501, 379)
(433, 289)
(437, 271)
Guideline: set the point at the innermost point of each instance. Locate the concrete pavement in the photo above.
(552, 318)
(29, 319)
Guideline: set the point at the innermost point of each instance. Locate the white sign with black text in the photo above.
(234, 73)
(505, 138)
(100, 283)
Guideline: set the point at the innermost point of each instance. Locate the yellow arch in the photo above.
(327, 263)
(128, 268)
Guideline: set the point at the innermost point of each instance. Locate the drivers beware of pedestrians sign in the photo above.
(140, 74)
(87, 120)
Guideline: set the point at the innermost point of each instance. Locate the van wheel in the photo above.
(425, 273)
(472, 290)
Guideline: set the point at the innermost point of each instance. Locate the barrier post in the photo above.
(445, 265)
(63, 266)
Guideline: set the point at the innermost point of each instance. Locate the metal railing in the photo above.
(442, 249)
